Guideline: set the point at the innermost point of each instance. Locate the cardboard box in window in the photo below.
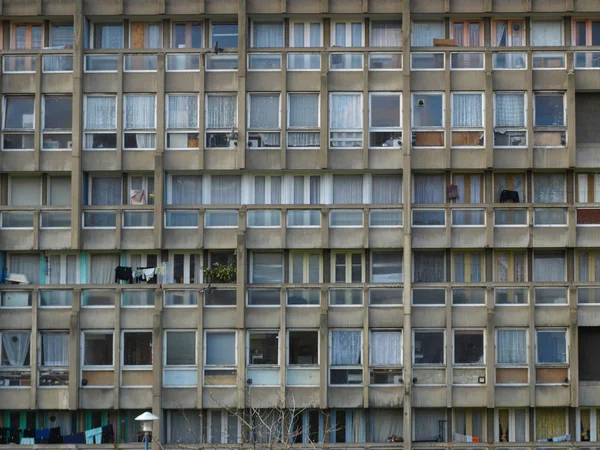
(444, 42)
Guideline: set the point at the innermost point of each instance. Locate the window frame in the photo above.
(330, 365)
(44, 130)
(372, 253)
(103, 131)
(26, 368)
(396, 21)
(90, 188)
(97, 368)
(565, 331)
(348, 32)
(307, 24)
(467, 254)
(348, 265)
(428, 128)
(182, 131)
(562, 30)
(511, 426)
(360, 130)
(260, 21)
(511, 266)
(145, 131)
(28, 35)
(211, 36)
(497, 349)
(141, 367)
(18, 131)
(594, 428)
(400, 349)
(445, 346)
(509, 38)
(225, 435)
(247, 351)
(146, 23)
(93, 24)
(306, 254)
(63, 266)
(41, 356)
(251, 267)
(208, 130)
(545, 252)
(12, 176)
(454, 128)
(535, 412)
(550, 93)
(205, 365)
(469, 412)
(187, 255)
(264, 130)
(288, 365)
(523, 128)
(454, 348)
(373, 129)
(316, 129)
(466, 31)
(188, 27)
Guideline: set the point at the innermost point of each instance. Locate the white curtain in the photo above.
(27, 264)
(25, 191)
(386, 34)
(107, 35)
(358, 425)
(186, 190)
(55, 63)
(225, 190)
(429, 188)
(62, 420)
(183, 111)
(185, 427)
(549, 188)
(140, 112)
(549, 266)
(101, 113)
(582, 188)
(518, 181)
(153, 38)
(267, 267)
(387, 189)
(386, 347)
(314, 38)
(264, 111)
(467, 110)
(102, 268)
(267, 34)
(429, 267)
(347, 189)
(512, 346)
(220, 349)
(521, 418)
(428, 423)
(583, 266)
(460, 267)
(423, 33)
(346, 112)
(386, 423)
(304, 110)
(501, 38)
(106, 191)
(345, 348)
(16, 347)
(56, 349)
(510, 110)
(221, 112)
(546, 33)
(60, 191)
(503, 267)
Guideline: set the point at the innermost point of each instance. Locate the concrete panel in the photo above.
(385, 81)
(386, 238)
(511, 237)
(467, 80)
(385, 6)
(303, 238)
(434, 158)
(550, 158)
(346, 238)
(136, 239)
(179, 398)
(54, 318)
(588, 155)
(346, 81)
(303, 81)
(429, 396)
(139, 82)
(386, 396)
(546, 6)
(428, 317)
(588, 315)
(16, 239)
(468, 158)
(469, 396)
(185, 239)
(98, 239)
(17, 398)
(345, 397)
(511, 316)
(136, 318)
(588, 236)
(429, 237)
(187, 159)
(386, 317)
(16, 319)
(140, 7)
(260, 317)
(467, 6)
(468, 376)
(221, 81)
(183, 318)
(57, 7)
(219, 398)
(549, 79)
(587, 80)
(508, 6)
(264, 238)
(511, 158)
(263, 397)
(345, 159)
(17, 161)
(511, 396)
(55, 239)
(54, 83)
(219, 317)
(55, 161)
(135, 398)
(475, 237)
(97, 318)
(429, 376)
(53, 399)
(552, 316)
(96, 398)
(100, 82)
(385, 159)
(509, 80)
(220, 239)
(550, 236)
(263, 159)
(589, 393)
(137, 161)
(427, 81)
(221, 6)
(585, 5)
(345, 316)
(303, 159)
(302, 397)
(181, 81)
(263, 82)
(99, 160)
(469, 316)
(548, 396)
(22, 83)
(433, 6)
(302, 317)
(345, 6)
(263, 6)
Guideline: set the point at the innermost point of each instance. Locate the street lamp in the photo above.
(147, 418)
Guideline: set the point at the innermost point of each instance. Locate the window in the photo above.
(386, 190)
(180, 363)
(185, 426)
(267, 190)
(102, 268)
(345, 357)
(264, 121)
(27, 264)
(549, 109)
(306, 427)
(347, 267)
(511, 347)
(54, 353)
(347, 189)
(386, 267)
(510, 266)
(586, 32)
(551, 346)
(467, 119)
(424, 33)
(223, 427)
(225, 190)
(27, 36)
(16, 347)
(305, 34)
(549, 188)
(550, 423)
(24, 191)
(98, 349)
(107, 35)
(588, 266)
(469, 347)
(588, 424)
(508, 33)
(588, 188)
(385, 121)
(469, 188)
(510, 123)
(428, 119)
(137, 348)
(19, 114)
(512, 425)
(184, 268)
(303, 348)
(221, 121)
(182, 122)
(184, 190)
(468, 267)
(267, 34)
(140, 122)
(104, 191)
(263, 348)
(429, 188)
(186, 35)
(429, 267)
(306, 190)
(220, 359)
(347, 34)
(61, 268)
(56, 122)
(509, 182)
(345, 120)
(385, 353)
(549, 266)
(430, 425)
(100, 122)
(386, 33)
(145, 35)
(467, 33)
(266, 267)
(59, 191)
(303, 121)
(469, 423)
(429, 347)
(225, 34)
(547, 33)
(305, 267)
(141, 190)
(386, 423)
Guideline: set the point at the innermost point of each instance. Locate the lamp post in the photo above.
(147, 418)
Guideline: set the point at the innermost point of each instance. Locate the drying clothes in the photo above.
(93, 436)
(55, 437)
(506, 196)
(78, 438)
(123, 273)
(108, 435)
(44, 433)
(27, 441)
(147, 274)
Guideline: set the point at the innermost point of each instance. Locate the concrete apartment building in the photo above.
(407, 190)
